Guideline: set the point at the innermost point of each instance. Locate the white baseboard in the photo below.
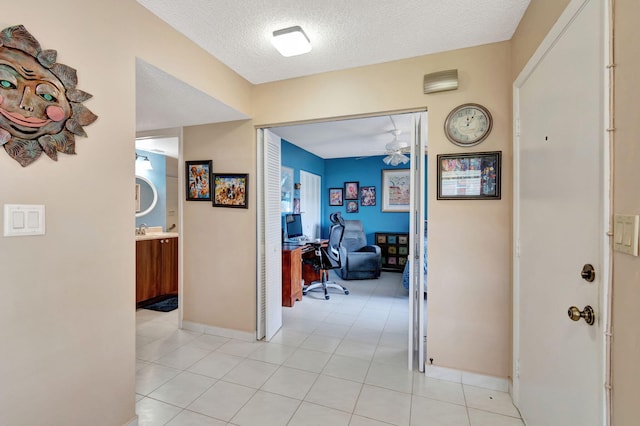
(133, 422)
(218, 331)
(466, 378)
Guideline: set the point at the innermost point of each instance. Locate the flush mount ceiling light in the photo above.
(291, 41)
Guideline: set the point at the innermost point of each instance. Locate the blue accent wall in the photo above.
(299, 159)
(367, 172)
(158, 175)
(334, 173)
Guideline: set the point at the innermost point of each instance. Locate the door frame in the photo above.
(175, 132)
(419, 244)
(567, 17)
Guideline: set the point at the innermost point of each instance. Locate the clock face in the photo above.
(468, 125)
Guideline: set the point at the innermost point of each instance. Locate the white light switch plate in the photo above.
(625, 233)
(23, 219)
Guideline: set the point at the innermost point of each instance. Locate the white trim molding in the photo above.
(133, 422)
(218, 331)
(467, 378)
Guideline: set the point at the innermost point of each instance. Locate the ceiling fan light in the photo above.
(291, 41)
(395, 145)
(395, 159)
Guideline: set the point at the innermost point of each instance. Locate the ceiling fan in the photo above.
(396, 150)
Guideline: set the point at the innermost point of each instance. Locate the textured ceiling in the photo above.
(344, 34)
(187, 106)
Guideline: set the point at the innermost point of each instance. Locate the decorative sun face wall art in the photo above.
(40, 108)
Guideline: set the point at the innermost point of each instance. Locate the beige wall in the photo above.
(626, 200)
(533, 28)
(219, 243)
(67, 305)
(160, 45)
(68, 298)
(469, 307)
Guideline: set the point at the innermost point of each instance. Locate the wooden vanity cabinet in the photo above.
(156, 268)
(291, 275)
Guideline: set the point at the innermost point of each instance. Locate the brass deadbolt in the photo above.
(588, 273)
(588, 314)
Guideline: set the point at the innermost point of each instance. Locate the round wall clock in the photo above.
(468, 124)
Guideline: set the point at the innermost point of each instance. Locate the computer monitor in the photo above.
(293, 223)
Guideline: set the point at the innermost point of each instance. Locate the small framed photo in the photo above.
(335, 196)
(351, 191)
(230, 190)
(352, 207)
(198, 180)
(469, 176)
(367, 196)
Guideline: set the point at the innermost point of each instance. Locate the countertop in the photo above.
(157, 236)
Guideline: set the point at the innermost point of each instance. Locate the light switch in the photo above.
(18, 220)
(625, 234)
(23, 220)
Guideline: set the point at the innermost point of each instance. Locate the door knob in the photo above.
(588, 314)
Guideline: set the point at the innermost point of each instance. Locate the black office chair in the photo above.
(328, 257)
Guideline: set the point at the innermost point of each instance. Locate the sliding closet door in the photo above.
(269, 306)
(417, 253)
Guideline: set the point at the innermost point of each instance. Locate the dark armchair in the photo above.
(359, 260)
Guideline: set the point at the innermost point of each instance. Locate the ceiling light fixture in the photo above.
(143, 162)
(395, 148)
(291, 41)
(395, 159)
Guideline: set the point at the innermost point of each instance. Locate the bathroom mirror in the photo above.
(146, 196)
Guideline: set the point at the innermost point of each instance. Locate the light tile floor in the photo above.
(334, 362)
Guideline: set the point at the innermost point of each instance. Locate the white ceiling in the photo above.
(360, 137)
(344, 34)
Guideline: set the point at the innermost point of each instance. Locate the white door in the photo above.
(416, 347)
(310, 190)
(560, 220)
(269, 306)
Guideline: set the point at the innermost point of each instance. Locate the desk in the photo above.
(294, 272)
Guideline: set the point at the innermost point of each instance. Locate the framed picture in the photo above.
(352, 207)
(198, 180)
(396, 190)
(335, 196)
(230, 190)
(351, 190)
(472, 176)
(367, 196)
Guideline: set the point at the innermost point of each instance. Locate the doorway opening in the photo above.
(272, 142)
(159, 290)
